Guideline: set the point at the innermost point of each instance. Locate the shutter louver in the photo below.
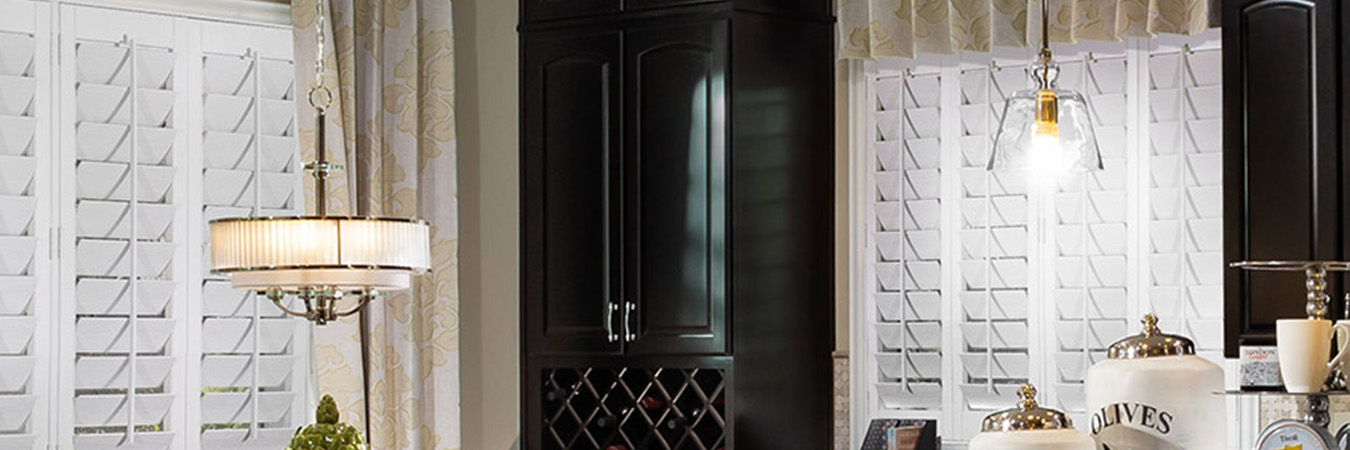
(24, 299)
(124, 76)
(252, 378)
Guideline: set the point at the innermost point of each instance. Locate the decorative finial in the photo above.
(1028, 395)
(327, 412)
(1150, 324)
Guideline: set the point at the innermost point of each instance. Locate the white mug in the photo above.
(1303, 346)
(1342, 329)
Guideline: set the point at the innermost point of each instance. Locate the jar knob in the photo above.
(1150, 324)
(1028, 395)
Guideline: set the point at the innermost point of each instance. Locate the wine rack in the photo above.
(634, 409)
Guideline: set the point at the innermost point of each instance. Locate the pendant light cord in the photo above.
(1045, 44)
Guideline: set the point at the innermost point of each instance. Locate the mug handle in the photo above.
(1341, 332)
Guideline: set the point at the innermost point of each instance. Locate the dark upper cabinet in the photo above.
(624, 249)
(676, 149)
(1282, 156)
(571, 193)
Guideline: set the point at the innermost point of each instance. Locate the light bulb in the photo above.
(1047, 156)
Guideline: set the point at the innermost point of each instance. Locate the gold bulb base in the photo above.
(1047, 113)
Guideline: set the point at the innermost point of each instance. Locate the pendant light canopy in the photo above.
(1047, 130)
(320, 259)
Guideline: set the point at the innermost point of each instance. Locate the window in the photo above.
(976, 282)
(121, 134)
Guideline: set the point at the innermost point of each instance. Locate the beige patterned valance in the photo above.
(902, 28)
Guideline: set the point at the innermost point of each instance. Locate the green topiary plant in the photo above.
(327, 433)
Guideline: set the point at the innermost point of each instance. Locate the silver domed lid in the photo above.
(1027, 416)
(1150, 343)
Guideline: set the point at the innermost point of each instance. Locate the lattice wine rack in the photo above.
(634, 409)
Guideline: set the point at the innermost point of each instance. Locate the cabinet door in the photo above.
(571, 191)
(1281, 166)
(675, 161)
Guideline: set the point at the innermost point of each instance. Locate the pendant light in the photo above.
(320, 259)
(1047, 130)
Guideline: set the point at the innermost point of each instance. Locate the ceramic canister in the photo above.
(1028, 426)
(1153, 393)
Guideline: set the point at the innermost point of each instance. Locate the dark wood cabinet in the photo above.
(571, 178)
(677, 236)
(676, 152)
(1284, 172)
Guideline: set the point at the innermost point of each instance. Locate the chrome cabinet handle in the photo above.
(628, 335)
(609, 321)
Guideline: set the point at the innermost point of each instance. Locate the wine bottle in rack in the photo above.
(651, 403)
(607, 421)
(678, 423)
(555, 394)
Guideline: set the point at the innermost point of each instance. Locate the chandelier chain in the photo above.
(320, 97)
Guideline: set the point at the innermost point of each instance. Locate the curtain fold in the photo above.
(391, 63)
(874, 29)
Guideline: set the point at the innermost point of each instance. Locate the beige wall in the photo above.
(486, 111)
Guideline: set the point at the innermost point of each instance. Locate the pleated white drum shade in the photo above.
(293, 253)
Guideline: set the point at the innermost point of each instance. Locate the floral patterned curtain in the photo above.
(391, 63)
(902, 28)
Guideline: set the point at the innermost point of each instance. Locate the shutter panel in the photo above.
(1087, 292)
(997, 244)
(1185, 181)
(124, 94)
(908, 244)
(252, 375)
(24, 220)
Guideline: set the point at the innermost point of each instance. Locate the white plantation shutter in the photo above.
(163, 123)
(252, 369)
(1185, 181)
(980, 282)
(995, 249)
(124, 204)
(908, 240)
(25, 305)
(1087, 293)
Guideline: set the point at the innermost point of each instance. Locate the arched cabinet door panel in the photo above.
(676, 164)
(1282, 164)
(571, 180)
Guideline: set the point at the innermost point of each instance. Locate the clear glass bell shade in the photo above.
(1043, 147)
(345, 253)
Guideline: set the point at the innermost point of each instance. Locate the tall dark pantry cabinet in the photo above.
(677, 231)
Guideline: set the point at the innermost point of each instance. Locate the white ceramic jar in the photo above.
(1153, 393)
(1029, 427)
